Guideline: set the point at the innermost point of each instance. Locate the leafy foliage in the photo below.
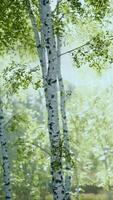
(29, 153)
(18, 76)
(91, 133)
(76, 5)
(99, 7)
(15, 28)
(97, 53)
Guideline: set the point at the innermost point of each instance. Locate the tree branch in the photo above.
(38, 40)
(9, 120)
(57, 5)
(34, 24)
(75, 49)
(41, 148)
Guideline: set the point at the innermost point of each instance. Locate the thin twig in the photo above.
(57, 5)
(75, 49)
(43, 149)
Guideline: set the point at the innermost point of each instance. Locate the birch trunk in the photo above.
(52, 106)
(5, 159)
(50, 88)
(109, 191)
(64, 118)
(64, 124)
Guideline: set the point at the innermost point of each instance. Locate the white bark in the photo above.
(50, 87)
(53, 118)
(5, 159)
(64, 124)
(109, 192)
(64, 118)
(39, 42)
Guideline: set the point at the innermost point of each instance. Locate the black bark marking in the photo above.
(49, 81)
(44, 2)
(4, 143)
(54, 81)
(45, 89)
(49, 52)
(50, 133)
(47, 46)
(51, 126)
(52, 96)
(39, 46)
(65, 130)
(1, 117)
(5, 157)
(60, 79)
(47, 40)
(64, 117)
(45, 24)
(7, 183)
(50, 107)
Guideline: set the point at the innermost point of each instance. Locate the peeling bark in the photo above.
(5, 158)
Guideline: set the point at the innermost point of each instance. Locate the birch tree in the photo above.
(64, 117)
(50, 86)
(5, 157)
(50, 64)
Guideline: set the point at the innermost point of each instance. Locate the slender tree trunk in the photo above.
(109, 192)
(50, 88)
(65, 127)
(64, 119)
(77, 184)
(52, 106)
(5, 159)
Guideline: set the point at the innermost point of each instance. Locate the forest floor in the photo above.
(88, 197)
(92, 197)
